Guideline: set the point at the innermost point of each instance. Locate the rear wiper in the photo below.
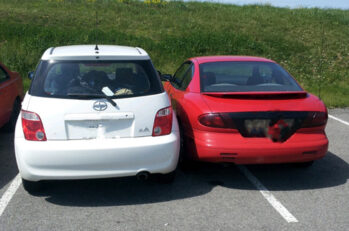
(108, 93)
(110, 100)
(91, 96)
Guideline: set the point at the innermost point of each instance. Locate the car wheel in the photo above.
(182, 156)
(32, 187)
(184, 161)
(167, 178)
(10, 126)
(304, 164)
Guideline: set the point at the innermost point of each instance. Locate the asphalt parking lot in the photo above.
(211, 197)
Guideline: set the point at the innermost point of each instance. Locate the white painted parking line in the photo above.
(7, 196)
(339, 120)
(268, 196)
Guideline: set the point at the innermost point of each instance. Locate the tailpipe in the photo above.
(144, 175)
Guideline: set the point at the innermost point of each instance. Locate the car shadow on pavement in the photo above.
(8, 166)
(130, 191)
(327, 172)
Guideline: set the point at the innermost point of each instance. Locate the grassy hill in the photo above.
(174, 31)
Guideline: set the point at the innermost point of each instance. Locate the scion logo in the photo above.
(100, 105)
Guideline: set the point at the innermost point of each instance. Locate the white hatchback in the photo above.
(95, 112)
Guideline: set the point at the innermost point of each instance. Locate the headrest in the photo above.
(208, 78)
(123, 72)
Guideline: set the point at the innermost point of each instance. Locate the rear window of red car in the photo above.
(245, 77)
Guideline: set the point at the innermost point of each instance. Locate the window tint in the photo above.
(3, 75)
(71, 79)
(183, 76)
(244, 77)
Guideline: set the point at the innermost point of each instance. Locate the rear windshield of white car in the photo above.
(86, 79)
(245, 77)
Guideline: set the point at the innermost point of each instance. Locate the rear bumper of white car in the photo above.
(85, 159)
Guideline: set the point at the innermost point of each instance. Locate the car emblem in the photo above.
(100, 105)
(144, 130)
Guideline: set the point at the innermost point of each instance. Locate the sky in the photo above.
(340, 4)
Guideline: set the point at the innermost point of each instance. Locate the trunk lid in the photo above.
(261, 101)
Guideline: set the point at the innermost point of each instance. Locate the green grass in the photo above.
(172, 32)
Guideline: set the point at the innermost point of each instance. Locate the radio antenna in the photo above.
(96, 39)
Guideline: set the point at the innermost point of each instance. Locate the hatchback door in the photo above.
(69, 98)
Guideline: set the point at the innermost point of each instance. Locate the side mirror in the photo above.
(30, 75)
(166, 77)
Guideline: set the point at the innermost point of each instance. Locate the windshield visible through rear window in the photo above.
(86, 79)
(245, 77)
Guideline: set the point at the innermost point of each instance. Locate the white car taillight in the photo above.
(163, 122)
(32, 126)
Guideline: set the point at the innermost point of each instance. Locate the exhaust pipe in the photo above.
(142, 175)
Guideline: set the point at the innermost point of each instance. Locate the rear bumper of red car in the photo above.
(232, 147)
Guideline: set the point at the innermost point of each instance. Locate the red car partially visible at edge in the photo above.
(246, 110)
(11, 95)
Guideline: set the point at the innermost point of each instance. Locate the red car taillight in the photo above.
(163, 122)
(32, 126)
(315, 119)
(217, 120)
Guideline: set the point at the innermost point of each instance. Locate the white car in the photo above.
(95, 112)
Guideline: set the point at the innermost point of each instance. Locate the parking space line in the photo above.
(268, 196)
(10, 192)
(339, 120)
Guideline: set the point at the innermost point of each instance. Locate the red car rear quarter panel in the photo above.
(188, 109)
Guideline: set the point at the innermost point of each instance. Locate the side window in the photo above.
(3, 75)
(183, 76)
(187, 78)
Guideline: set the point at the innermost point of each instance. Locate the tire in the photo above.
(11, 124)
(304, 164)
(186, 163)
(167, 178)
(32, 187)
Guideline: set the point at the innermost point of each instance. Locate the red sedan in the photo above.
(246, 110)
(11, 94)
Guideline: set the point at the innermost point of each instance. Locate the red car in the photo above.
(245, 110)
(11, 94)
